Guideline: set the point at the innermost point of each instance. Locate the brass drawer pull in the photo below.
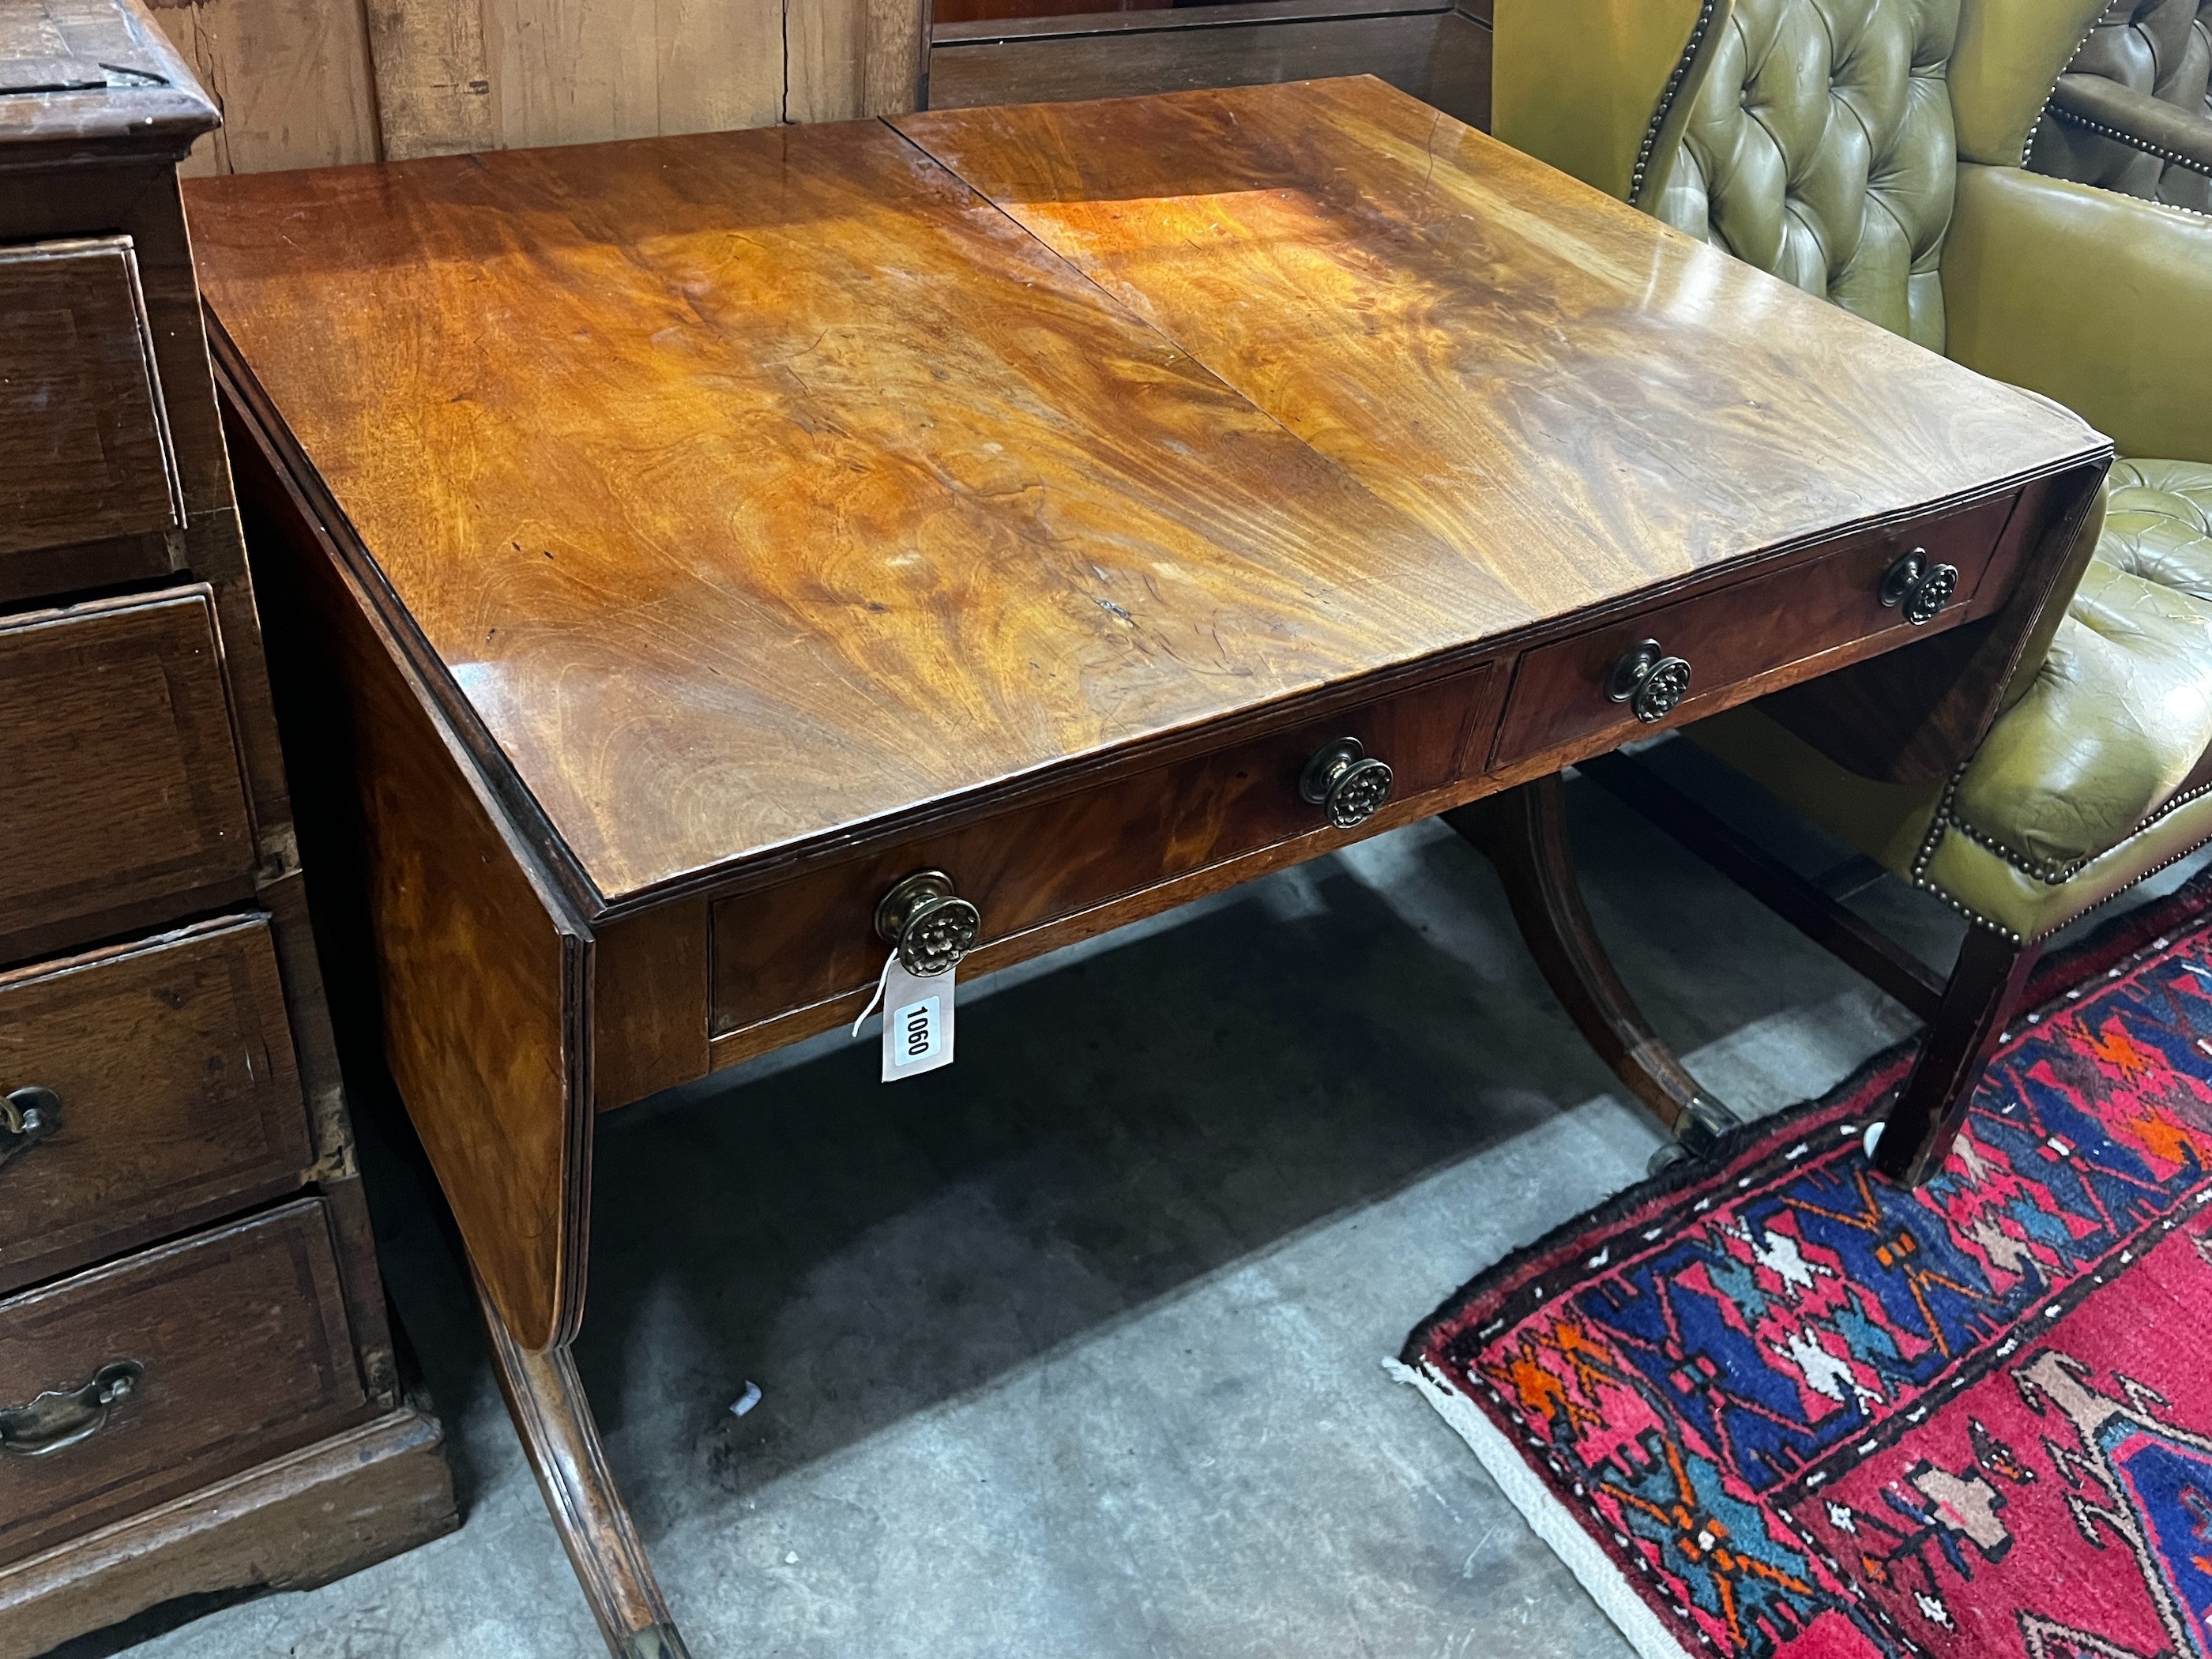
(28, 1116)
(1923, 588)
(1649, 681)
(1346, 782)
(62, 1418)
(932, 928)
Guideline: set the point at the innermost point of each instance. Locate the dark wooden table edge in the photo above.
(257, 437)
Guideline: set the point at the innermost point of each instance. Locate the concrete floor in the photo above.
(1075, 1351)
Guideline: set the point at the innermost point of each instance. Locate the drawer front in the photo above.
(813, 938)
(169, 1089)
(1734, 638)
(233, 1347)
(125, 802)
(84, 448)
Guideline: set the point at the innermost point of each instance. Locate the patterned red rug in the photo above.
(1773, 1405)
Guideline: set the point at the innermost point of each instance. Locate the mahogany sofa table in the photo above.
(684, 540)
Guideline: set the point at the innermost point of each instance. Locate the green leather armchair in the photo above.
(1871, 151)
(2133, 111)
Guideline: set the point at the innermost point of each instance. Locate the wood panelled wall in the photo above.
(309, 82)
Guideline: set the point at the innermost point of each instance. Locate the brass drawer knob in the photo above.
(1649, 681)
(28, 1116)
(1346, 782)
(932, 928)
(1922, 588)
(62, 1418)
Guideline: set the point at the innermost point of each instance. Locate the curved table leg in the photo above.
(1524, 832)
(546, 1399)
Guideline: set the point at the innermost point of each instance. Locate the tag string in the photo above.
(882, 980)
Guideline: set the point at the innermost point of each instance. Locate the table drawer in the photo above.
(812, 937)
(170, 1089)
(232, 1348)
(1734, 638)
(84, 448)
(126, 805)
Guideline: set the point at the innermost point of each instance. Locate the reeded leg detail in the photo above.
(546, 1399)
(1524, 832)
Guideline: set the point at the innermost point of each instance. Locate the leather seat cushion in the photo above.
(2096, 775)
(2158, 523)
(2116, 722)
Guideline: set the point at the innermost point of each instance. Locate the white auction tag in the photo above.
(917, 1021)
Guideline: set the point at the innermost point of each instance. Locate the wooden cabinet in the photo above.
(80, 418)
(126, 804)
(197, 1391)
(1013, 51)
(170, 1089)
(169, 1370)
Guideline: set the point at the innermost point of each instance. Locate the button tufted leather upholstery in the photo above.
(2144, 72)
(1820, 148)
(2097, 776)
(2118, 718)
(1823, 140)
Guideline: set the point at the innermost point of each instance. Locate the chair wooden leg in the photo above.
(1524, 832)
(1984, 989)
(546, 1399)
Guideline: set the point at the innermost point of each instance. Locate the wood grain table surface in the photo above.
(674, 543)
(760, 488)
(1577, 400)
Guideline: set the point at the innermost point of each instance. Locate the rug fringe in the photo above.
(1616, 1597)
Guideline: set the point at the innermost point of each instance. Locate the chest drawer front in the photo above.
(1738, 639)
(231, 1347)
(169, 1088)
(813, 938)
(84, 448)
(124, 799)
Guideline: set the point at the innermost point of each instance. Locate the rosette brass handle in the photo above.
(62, 1418)
(1922, 587)
(1649, 681)
(28, 1116)
(1346, 782)
(931, 927)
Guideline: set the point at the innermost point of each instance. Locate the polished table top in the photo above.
(762, 492)
(677, 546)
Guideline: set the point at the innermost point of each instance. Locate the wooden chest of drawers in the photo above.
(195, 1370)
(164, 1407)
(179, 1096)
